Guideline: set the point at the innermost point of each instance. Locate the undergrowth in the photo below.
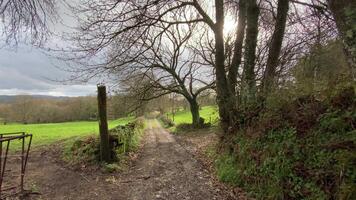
(183, 127)
(123, 140)
(304, 150)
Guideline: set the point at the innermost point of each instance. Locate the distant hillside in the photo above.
(10, 98)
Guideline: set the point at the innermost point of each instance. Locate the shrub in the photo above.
(344, 98)
(122, 140)
(303, 113)
(83, 150)
(127, 137)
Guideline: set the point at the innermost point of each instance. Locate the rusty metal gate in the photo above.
(14, 184)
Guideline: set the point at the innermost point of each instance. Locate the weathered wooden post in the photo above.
(103, 125)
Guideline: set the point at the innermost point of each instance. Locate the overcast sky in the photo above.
(26, 70)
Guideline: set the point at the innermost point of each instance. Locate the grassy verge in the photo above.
(45, 134)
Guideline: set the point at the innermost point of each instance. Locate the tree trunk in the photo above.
(224, 98)
(103, 125)
(275, 47)
(194, 110)
(236, 60)
(249, 90)
(344, 12)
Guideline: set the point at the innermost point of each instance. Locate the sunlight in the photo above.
(161, 99)
(229, 26)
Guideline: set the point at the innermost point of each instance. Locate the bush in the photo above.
(127, 137)
(83, 150)
(122, 140)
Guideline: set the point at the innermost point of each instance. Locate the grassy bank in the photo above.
(44, 134)
(304, 148)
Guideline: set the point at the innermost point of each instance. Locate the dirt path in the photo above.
(168, 171)
(163, 170)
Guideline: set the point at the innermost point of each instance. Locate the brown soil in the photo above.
(201, 143)
(165, 169)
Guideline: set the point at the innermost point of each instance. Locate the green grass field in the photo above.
(44, 134)
(209, 113)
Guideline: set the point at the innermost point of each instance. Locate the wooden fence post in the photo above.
(103, 125)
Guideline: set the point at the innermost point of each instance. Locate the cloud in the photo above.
(28, 71)
(68, 90)
(14, 78)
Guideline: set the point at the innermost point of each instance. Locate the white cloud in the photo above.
(28, 71)
(63, 90)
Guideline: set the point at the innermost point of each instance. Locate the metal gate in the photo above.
(14, 184)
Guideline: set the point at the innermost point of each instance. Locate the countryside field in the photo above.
(45, 134)
(209, 113)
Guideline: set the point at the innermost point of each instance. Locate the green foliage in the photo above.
(350, 32)
(321, 70)
(337, 122)
(123, 139)
(227, 171)
(83, 151)
(128, 136)
(274, 158)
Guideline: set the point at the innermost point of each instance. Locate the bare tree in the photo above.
(168, 66)
(129, 22)
(23, 108)
(272, 41)
(26, 19)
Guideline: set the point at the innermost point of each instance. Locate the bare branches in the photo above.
(26, 19)
(205, 16)
(180, 46)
